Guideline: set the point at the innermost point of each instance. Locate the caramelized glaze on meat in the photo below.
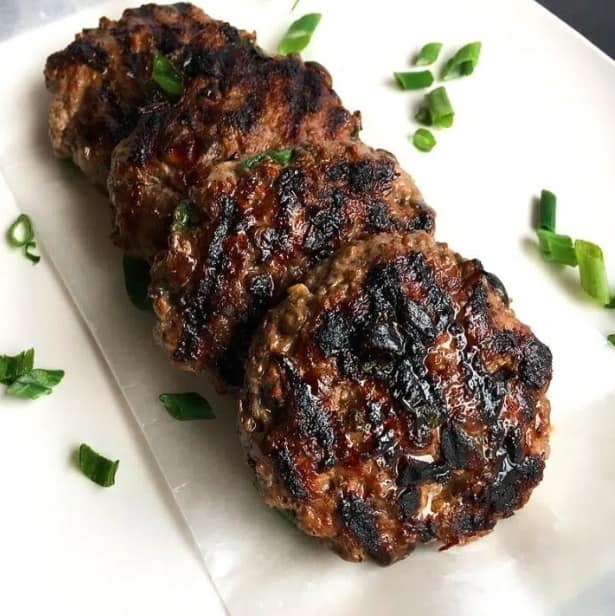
(255, 231)
(393, 399)
(102, 79)
(237, 101)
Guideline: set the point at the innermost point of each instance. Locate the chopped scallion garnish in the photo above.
(463, 62)
(548, 205)
(592, 271)
(428, 55)
(283, 157)
(557, 248)
(299, 34)
(167, 76)
(99, 469)
(414, 80)
(187, 406)
(29, 254)
(611, 339)
(12, 367)
(185, 216)
(35, 383)
(21, 235)
(136, 280)
(438, 110)
(423, 140)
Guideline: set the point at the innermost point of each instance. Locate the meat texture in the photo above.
(236, 101)
(103, 78)
(255, 227)
(393, 399)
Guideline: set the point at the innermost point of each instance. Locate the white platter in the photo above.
(537, 113)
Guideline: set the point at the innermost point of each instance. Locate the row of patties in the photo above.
(388, 394)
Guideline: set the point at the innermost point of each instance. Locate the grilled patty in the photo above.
(236, 101)
(254, 228)
(393, 399)
(102, 79)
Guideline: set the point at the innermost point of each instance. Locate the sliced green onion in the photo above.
(299, 34)
(167, 76)
(279, 156)
(414, 80)
(20, 232)
(428, 55)
(557, 248)
(548, 205)
(99, 469)
(136, 281)
(592, 271)
(187, 406)
(34, 384)
(12, 367)
(423, 140)
(463, 62)
(30, 255)
(611, 339)
(438, 110)
(185, 216)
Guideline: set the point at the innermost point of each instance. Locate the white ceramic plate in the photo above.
(537, 113)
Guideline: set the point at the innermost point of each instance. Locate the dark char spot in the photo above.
(359, 517)
(312, 418)
(289, 473)
(535, 368)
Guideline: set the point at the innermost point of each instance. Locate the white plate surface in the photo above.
(537, 113)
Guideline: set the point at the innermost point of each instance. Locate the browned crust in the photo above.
(259, 230)
(394, 350)
(238, 102)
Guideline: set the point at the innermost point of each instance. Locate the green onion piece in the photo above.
(423, 116)
(185, 216)
(20, 232)
(136, 281)
(423, 140)
(30, 255)
(283, 157)
(187, 406)
(34, 384)
(414, 80)
(611, 339)
(438, 110)
(99, 469)
(428, 55)
(299, 34)
(548, 205)
(12, 367)
(167, 76)
(463, 62)
(592, 271)
(557, 248)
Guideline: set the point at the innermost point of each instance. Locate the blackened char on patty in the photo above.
(100, 81)
(254, 231)
(394, 398)
(237, 101)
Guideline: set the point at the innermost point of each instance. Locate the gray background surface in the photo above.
(594, 18)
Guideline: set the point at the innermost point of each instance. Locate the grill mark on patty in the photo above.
(359, 518)
(80, 51)
(313, 420)
(196, 307)
(291, 476)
